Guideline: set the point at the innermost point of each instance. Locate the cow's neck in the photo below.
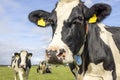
(97, 48)
(93, 48)
(67, 1)
(95, 45)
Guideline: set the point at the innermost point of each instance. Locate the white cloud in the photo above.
(10, 3)
(1, 9)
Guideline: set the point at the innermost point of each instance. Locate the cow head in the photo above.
(16, 56)
(69, 22)
(42, 67)
(23, 59)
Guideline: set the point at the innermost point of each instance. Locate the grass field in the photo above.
(58, 73)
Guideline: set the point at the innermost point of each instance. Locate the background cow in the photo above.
(91, 48)
(21, 64)
(43, 67)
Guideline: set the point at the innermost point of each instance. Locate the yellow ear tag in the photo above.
(93, 19)
(41, 22)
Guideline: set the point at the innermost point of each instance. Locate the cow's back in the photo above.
(115, 34)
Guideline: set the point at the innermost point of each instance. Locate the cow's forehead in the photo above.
(64, 9)
(23, 53)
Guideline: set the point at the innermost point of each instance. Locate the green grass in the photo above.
(58, 73)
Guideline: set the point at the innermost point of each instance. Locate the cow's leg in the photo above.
(74, 69)
(20, 75)
(38, 69)
(27, 73)
(15, 76)
(80, 77)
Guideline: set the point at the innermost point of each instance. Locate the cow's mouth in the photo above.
(23, 67)
(55, 56)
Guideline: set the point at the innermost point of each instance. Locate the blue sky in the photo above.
(17, 33)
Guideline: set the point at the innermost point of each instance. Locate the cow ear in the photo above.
(40, 18)
(16, 54)
(30, 55)
(98, 12)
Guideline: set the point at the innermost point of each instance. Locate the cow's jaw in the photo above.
(53, 53)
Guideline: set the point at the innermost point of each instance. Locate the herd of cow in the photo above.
(91, 48)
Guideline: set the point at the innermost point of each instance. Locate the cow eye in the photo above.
(77, 20)
(50, 21)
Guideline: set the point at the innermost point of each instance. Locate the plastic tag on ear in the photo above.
(78, 59)
(41, 22)
(93, 19)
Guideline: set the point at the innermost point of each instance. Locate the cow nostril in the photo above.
(21, 66)
(61, 53)
(51, 51)
(55, 53)
(47, 51)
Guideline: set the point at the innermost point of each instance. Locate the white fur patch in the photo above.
(107, 38)
(97, 72)
(63, 11)
(23, 55)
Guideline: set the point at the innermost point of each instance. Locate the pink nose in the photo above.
(55, 56)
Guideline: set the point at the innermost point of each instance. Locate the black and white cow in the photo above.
(43, 67)
(78, 36)
(21, 64)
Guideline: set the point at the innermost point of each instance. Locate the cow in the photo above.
(43, 67)
(91, 48)
(21, 64)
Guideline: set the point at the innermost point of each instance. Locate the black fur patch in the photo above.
(115, 34)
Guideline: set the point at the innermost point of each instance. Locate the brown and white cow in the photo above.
(78, 36)
(21, 64)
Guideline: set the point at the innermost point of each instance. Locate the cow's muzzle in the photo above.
(55, 56)
(22, 66)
